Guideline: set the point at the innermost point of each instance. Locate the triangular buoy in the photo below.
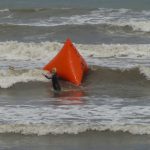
(69, 63)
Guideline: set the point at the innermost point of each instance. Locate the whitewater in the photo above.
(30, 120)
(112, 97)
(23, 62)
(110, 109)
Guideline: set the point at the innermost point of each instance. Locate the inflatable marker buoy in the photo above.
(69, 63)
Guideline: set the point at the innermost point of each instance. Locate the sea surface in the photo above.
(110, 109)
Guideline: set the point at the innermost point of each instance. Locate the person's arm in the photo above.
(47, 76)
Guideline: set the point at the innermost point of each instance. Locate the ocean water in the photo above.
(112, 103)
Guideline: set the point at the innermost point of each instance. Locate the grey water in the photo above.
(110, 110)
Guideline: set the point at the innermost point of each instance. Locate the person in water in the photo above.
(54, 77)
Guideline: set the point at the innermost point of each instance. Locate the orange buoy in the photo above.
(69, 63)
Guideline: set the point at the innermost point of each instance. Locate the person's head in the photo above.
(54, 70)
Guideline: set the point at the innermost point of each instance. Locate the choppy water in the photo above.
(117, 83)
(112, 36)
(106, 25)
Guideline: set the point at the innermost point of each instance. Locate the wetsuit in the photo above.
(55, 82)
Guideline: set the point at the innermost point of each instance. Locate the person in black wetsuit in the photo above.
(54, 77)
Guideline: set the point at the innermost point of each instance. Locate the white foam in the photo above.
(116, 50)
(29, 55)
(10, 77)
(119, 17)
(139, 21)
(138, 25)
(45, 50)
(145, 71)
(103, 16)
(25, 51)
(44, 129)
(4, 10)
(74, 119)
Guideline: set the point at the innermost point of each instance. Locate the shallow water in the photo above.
(84, 141)
(112, 103)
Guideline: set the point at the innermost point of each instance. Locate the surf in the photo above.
(40, 120)
(10, 77)
(13, 50)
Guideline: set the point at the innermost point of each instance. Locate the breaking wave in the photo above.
(4, 10)
(41, 129)
(59, 120)
(37, 51)
(11, 76)
(114, 19)
(23, 62)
